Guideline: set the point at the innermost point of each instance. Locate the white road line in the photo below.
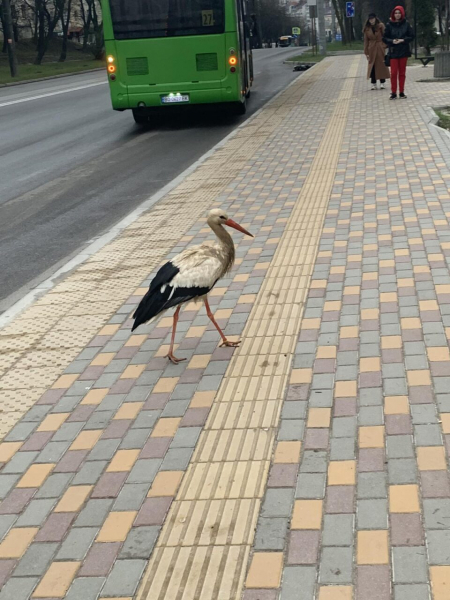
(75, 89)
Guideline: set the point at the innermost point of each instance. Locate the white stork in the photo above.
(190, 276)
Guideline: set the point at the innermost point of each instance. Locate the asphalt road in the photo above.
(71, 167)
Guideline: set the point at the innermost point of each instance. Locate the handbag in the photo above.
(387, 59)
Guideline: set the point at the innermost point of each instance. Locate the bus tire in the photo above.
(139, 118)
(240, 108)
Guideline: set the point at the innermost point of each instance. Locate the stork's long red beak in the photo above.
(235, 225)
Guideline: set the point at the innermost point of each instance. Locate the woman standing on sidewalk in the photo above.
(374, 49)
(398, 35)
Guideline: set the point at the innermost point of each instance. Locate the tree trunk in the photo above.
(340, 20)
(41, 41)
(65, 28)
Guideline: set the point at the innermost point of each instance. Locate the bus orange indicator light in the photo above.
(232, 60)
(111, 68)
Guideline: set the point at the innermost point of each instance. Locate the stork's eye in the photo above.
(224, 218)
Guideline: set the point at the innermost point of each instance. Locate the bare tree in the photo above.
(65, 22)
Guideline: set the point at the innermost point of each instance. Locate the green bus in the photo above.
(166, 53)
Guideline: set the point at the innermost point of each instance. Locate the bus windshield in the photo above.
(133, 19)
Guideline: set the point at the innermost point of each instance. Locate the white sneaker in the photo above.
(382, 87)
(374, 87)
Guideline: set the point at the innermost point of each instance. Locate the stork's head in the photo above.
(219, 217)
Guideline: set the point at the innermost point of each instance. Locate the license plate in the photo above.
(175, 99)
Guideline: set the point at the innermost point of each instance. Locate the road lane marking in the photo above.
(74, 89)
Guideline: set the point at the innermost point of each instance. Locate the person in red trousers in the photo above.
(397, 36)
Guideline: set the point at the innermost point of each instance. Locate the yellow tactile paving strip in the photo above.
(204, 546)
(38, 345)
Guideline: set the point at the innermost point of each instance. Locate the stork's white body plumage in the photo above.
(190, 276)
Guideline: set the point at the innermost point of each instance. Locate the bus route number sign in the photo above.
(207, 18)
(350, 9)
(296, 31)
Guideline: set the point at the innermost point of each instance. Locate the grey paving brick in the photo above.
(314, 462)
(20, 432)
(338, 530)
(90, 472)
(124, 578)
(438, 544)
(135, 439)
(146, 419)
(415, 591)
(55, 485)
(36, 560)
(342, 449)
(294, 410)
(277, 503)
(370, 415)
(131, 496)
(395, 387)
(6, 522)
(53, 452)
(427, 435)
(402, 470)
(291, 430)
(19, 462)
(409, 565)
(18, 588)
(321, 398)
(77, 543)
(298, 578)
(104, 450)
(85, 588)
(67, 432)
(37, 413)
(372, 514)
(343, 427)
(35, 513)
(399, 446)
(176, 459)
(370, 397)
(372, 485)
(100, 419)
(423, 414)
(336, 565)
(67, 404)
(310, 485)
(94, 513)
(7, 482)
(144, 470)
(140, 542)
(271, 533)
(111, 402)
(186, 437)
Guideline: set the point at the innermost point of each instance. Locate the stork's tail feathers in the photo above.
(150, 306)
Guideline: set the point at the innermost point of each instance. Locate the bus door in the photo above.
(244, 44)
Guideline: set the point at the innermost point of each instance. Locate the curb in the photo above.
(13, 83)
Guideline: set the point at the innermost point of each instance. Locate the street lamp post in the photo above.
(415, 29)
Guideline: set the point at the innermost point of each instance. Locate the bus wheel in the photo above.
(139, 117)
(240, 108)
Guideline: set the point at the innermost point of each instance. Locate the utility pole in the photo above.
(9, 33)
(321, 27)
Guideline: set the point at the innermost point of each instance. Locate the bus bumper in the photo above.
(154, 99)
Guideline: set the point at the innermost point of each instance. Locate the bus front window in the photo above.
(134, 19)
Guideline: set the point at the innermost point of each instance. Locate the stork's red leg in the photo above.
(171, 355)
(225, 342)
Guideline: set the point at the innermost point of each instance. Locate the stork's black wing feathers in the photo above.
(161, 295)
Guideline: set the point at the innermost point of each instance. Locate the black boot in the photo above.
(393, 96)
(403, 95)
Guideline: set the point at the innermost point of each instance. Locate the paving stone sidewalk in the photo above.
(313, 457)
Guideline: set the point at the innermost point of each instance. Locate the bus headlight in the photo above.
(110, 59)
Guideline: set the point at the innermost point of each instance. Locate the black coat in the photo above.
(398, 30)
